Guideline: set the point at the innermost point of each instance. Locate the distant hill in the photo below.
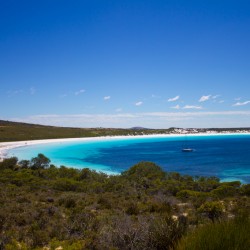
(18, 131)
(139, 128)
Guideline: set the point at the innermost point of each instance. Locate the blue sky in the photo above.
(102, 63)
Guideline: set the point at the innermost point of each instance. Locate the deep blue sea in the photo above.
(224, 156)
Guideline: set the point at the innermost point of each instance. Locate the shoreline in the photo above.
(6, 146)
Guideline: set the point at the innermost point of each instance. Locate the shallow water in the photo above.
(224, 156)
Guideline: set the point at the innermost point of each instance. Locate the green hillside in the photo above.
(15, 131)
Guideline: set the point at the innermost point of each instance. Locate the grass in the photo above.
(230, 235)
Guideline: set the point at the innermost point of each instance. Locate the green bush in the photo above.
(245, 189)
(64, 184)
(224, 191)
(186, 194)
(9, 163)
(165, 232)
(145, 169)
(67, 201)
(213, 209)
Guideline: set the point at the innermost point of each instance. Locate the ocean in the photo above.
(224, 156)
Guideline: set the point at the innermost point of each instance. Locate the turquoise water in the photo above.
(224, 156)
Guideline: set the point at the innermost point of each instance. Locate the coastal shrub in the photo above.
(173, 176)
(15, 245)
(81, 225)
(65, 184)
(85, 173)
(213, 209)
(24, 164)
(241, 206)
(65, 172)
(9, 163)
(51, 173)
(142, 233)
(230, 235)
(160, 207)
(67, 201)
(115, 183)
(132, 208)
(186, 194)
(206, 184)
(165, 232)
(171, 187)
(245, 189)
(124, 232)
(66, 244)
(143, 208)
(144, 169)
(235, 184)
(104, 202)
(224, 191)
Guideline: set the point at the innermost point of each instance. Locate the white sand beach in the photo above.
(6, 146)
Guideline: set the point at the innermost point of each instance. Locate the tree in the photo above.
(24, 163)
(40, 162)
(9, 163)
(147, 170)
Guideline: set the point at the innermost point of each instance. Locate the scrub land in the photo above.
(48, 207)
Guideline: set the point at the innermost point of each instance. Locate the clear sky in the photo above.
(124, 63)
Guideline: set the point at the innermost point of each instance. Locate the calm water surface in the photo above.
(224, 156)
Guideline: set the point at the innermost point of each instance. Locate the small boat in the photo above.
(187, 150)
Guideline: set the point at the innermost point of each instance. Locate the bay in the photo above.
(224, 156)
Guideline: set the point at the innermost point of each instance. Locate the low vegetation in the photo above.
(45, 207)
(230, 235)
(16, 131)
